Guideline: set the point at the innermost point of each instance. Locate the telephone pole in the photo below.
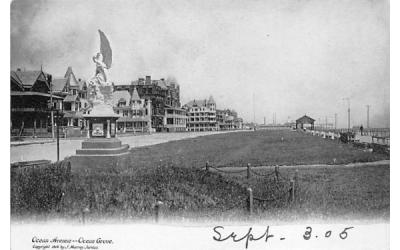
(254, 109)
(348, 113)
(326, 122)
(368, 106)
(335, 121)
(52, 112)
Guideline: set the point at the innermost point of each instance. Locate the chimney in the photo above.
(148, 79)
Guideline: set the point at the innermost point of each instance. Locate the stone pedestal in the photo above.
(101, 155)
(101, 151)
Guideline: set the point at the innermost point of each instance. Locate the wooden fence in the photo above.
(55, 176)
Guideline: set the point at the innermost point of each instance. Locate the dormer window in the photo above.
(122, 103)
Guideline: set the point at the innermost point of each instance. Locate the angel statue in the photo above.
(103, 61)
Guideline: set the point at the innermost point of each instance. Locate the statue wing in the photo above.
(105, 49)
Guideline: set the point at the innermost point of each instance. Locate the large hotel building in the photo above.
(202, 115)
(164, 96)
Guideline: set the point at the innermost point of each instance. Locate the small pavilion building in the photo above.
(305, 122)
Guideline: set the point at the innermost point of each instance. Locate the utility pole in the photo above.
(254, 110)
(264, 120)
(348, 113)
(368, 106)
(52, 113)
(58, 135)
(326, 122)
(335, 121)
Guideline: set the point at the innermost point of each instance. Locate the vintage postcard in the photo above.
(192, 124)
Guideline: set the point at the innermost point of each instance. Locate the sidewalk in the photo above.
(45, 149)
(31, 141)
(349, 165)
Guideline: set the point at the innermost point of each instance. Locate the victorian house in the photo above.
(74, 92)
(135, 112)
(31, 99)
(228, 119)
(165, 99)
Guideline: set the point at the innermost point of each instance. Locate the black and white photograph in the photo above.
(232, 124)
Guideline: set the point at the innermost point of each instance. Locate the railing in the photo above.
(376, 143)
(29, 110)
(284, 188)
(383, 132)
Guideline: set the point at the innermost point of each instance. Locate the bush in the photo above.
(41, 190)
(38, 188)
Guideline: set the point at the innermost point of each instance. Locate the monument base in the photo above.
(101, 155)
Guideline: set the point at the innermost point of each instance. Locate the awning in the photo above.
(32, 93)
(71, 98)
(132, 119)
(73, 114)
(174, 108)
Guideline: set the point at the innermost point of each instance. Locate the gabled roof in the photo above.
(211, 100)
(120, 94)
(58, 84)
(68, 72)
(15, 80)
(71, 77)
(28, 78)
(15, 77)
(135, 95)
(305, 119)
(196, 103)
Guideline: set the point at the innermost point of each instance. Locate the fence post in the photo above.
(207, 165)
(276, 174)
(296, 181)
(250, 204)
(84, 212)
(83, 217)
(292, 190)
(248, 170)
(157, 207)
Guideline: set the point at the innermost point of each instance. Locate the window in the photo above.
(121, 103)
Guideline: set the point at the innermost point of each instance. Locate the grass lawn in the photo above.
(361, 192)
(173, 173)
(258, 148)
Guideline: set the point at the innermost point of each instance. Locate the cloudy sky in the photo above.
(294, 57)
